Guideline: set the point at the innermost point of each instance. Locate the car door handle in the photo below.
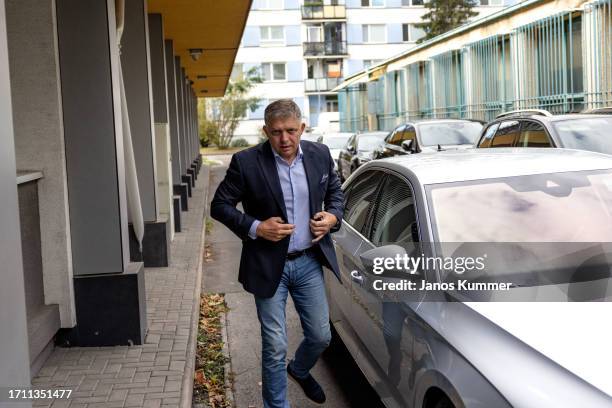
(356, 277)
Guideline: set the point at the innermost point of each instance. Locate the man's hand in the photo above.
(274, 229)
(321, 223)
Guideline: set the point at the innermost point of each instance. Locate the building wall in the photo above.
(254, 51)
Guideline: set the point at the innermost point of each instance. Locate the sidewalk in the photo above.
(160, 372)
(344, 385)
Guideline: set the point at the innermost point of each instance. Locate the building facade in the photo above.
(304, 49)
(537, 54)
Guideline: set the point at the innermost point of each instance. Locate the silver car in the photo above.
(423, 351)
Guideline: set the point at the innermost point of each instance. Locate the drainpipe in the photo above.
(131, 178)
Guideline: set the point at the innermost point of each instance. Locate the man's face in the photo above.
(284, 136)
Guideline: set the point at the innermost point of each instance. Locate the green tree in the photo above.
(226, 112)
(444, 15)
(208, 130)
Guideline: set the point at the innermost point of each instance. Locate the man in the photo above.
(283, 185)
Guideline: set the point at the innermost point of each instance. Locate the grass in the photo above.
(209, 381)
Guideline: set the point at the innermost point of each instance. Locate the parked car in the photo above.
(430, 135)
(604, 110)
(311, 137)
(428, 352)
(359, 150)
(537, 128)
(335, 142)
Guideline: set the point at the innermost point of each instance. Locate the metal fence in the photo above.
(561, 63)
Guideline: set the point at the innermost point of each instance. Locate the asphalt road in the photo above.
(340, 377)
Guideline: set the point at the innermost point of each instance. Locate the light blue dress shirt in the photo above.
(294, 185)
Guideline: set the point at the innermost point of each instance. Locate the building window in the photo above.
(331, 103)
(370, 62)
(372, 3)
(489, 2)
(374, 33)
(314, 33)
(411, 33)
(272, 34)
(237, 72)
(409, 3)
(272, 4)
(274, 71)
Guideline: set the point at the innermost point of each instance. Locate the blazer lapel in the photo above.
(312, 175)
(268, 167)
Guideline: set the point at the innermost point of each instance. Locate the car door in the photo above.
(380, 318)
(345, 158)
(359, 198)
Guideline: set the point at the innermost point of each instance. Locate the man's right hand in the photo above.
(274, 229)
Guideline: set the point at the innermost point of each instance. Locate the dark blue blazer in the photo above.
(252, 179)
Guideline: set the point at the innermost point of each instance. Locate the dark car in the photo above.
(359, 149)
(537, 128)
(430, 135)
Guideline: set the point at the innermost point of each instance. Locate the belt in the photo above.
(296, 254)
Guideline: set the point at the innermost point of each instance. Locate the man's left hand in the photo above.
(321, 223)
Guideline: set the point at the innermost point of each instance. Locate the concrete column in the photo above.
(95, 164)
(180, 93)
(160, 119)
(173, 111)
(136, 75)
(39, 140)
(14, 356)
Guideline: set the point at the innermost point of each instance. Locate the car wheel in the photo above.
(443, 402)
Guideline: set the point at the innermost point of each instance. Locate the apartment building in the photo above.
(304, 49)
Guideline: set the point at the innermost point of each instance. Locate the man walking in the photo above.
(283, 185)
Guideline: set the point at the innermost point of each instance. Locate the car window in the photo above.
(533, 134)
(396, 137)
(359, 197)
(394, 221)
(506, 134)
(409, 134)
(488, 136)
(351, 142)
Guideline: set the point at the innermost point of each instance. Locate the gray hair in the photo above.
(282, 109)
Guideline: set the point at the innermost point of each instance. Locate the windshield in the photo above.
(369, 143)
(335, 142)
(535, 230)
(586, 134)
(451, 133)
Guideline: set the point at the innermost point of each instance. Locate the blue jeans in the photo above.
(303, 278)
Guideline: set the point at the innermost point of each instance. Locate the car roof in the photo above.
(554, 118)
(477, 164)
(373, 134)
(338, 134)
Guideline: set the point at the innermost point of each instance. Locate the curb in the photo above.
(227, 368)
(188, 375)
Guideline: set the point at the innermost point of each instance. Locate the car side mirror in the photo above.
(408, 145)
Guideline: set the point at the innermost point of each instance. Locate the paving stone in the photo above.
(148, 375)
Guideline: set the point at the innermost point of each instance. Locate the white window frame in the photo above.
(271, 68)
(269, 40)
(266, 5)
(414, 5)
(369, 29)
(371, 6)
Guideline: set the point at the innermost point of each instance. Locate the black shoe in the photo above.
(309, 385)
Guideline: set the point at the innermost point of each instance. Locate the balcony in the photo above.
(323, 12)
(319, 85)
(324, 49)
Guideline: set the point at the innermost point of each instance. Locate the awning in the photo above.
(214, 26)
